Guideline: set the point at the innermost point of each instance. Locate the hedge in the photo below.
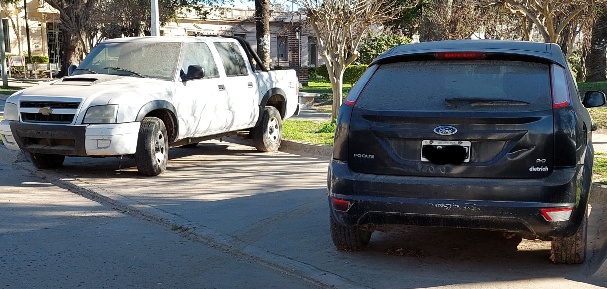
(351, 75)
(35, 58)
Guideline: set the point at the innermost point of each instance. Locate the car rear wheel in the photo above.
(46, 161)
(349, 238)
(571, 250)
(267, 135)
(152, 152)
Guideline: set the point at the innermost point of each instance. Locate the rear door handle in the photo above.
(221, 87)
(250, 85)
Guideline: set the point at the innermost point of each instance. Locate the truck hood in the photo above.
(105, 88)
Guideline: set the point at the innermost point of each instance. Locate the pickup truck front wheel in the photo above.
(152, 152)
(268, 134)
(46, 161)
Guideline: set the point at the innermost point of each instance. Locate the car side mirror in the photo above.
(194, 72)
(71, 69)
(594, 99)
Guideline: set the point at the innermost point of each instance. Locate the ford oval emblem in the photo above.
(445, 130)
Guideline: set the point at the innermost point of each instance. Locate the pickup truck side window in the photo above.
(231, 57)
(198, 53)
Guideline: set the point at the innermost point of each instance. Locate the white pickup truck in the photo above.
(139, 96)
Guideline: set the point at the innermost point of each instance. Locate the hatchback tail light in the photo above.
(556, 214)
(341, 205)
(460, 55)
(560, 87)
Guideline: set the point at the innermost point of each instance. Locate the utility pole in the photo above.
(27, 35)
(3, 54)
(154, 26)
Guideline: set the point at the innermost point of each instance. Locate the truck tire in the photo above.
(352, 238)
(152, 152)
(45, 161)
(267, 135)
(571, 250)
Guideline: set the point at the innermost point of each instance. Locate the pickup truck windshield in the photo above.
(137, 59)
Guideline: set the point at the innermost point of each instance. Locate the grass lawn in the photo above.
(323, 88)
(600, 168)
(308, 131)
(9, 90)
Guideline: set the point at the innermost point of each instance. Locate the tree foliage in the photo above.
(340, 26)
(552, 18)
(373, 46)
(86, 22)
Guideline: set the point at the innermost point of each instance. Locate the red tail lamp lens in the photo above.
(340, 205)
(556, 214)
(460, 55)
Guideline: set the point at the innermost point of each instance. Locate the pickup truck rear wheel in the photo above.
(571, 250)
(46, 161)
(152, 152)
(268, 134)
(352, 238)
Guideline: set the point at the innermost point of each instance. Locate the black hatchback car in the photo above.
(483, 134)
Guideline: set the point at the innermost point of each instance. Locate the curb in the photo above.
(289, 146)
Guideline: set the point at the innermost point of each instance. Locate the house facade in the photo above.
(293, 45)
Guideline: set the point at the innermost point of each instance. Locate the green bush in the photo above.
(35, 58)
(373, 46)
(351, 75)
(319, 73)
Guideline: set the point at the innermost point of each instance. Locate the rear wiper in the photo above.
(125, 70)
(484, 102)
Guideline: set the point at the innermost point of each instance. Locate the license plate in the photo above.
(444, 143)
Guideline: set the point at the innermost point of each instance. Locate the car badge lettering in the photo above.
(445, 130)
(46, 111)
(538, 169)
(364, 156)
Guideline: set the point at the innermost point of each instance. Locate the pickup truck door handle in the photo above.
(221, 87)
(250, 85)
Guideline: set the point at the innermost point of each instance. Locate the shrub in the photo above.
(351, 75)
(373, 46)
(35, 58)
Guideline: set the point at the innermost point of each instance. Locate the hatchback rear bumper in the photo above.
(494, 204)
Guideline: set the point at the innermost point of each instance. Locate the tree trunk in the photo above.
(70, 51)
(596, 61)
(262, 27)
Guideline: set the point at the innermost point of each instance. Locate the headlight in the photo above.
(11, 112)
(101, 114)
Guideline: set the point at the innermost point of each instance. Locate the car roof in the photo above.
(168, 39)
(547, 51)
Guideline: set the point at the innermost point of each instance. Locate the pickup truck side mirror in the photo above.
(194, 72)
(71, 69)
(594, 99)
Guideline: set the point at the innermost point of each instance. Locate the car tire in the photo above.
(572, 249)
(46, 161)
(152, 152)
(267, 135)
(349, 238)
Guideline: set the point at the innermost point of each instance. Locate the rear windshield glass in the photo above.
(458, 85)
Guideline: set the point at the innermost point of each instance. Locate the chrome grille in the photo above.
(48, 111)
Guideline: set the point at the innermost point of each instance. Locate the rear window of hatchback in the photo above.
(435, 86)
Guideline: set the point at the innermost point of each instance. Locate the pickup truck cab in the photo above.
(140, 96)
